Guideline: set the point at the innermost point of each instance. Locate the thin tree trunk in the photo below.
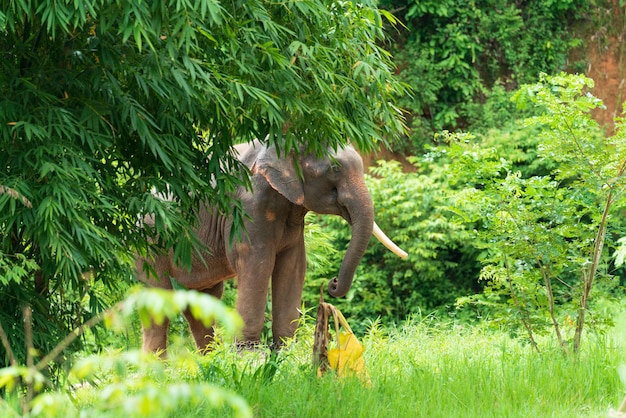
(548, 284)
(589, 274)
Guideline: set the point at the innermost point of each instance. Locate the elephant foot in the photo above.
(257, 345)
(249, 345)
(276, 346)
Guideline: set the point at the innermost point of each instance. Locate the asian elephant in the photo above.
(273, 244)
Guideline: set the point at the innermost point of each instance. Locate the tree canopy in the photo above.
(104, 102)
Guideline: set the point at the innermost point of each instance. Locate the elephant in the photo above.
(273, 243)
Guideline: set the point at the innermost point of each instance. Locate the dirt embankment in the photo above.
(605, 52)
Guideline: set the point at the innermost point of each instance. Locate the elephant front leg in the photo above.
(287, 284)
(252, 286)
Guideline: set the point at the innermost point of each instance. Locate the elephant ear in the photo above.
(280, 173)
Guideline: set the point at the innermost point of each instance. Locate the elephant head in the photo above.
(327, 186)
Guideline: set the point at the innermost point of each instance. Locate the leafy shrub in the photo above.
(536, 204)
(544, 233)
(129, 382)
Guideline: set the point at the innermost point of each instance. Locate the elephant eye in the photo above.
(335, 173)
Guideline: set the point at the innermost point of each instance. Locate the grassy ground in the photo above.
(421, 371)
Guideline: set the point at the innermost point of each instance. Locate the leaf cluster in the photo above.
(131, 383)
(458, 56)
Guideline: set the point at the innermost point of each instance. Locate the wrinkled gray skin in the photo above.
(275, 244)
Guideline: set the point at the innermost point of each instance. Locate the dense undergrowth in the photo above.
(461, 58)
(427, 367)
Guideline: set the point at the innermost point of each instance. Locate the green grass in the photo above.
(419, 370)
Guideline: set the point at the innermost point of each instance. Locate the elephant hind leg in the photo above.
(155, 335)
(155, 338)
(202, 334)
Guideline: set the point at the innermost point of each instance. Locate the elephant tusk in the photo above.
(387, 242)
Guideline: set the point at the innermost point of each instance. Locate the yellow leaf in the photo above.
(347, 358)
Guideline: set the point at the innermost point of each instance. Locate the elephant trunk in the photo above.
(362, 219)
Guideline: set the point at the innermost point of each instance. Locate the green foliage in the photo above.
(17, 269)
(620, 252)
(154, 304)
(454, 54)
(320, 251)
(536, 205)
(544, 234)
(106, 103)
(130, 383)
(411, 209)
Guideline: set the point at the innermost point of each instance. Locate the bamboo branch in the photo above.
(56, 351)
(28, 331)
(7, 346)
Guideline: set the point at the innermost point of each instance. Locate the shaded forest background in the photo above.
(459, 57)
